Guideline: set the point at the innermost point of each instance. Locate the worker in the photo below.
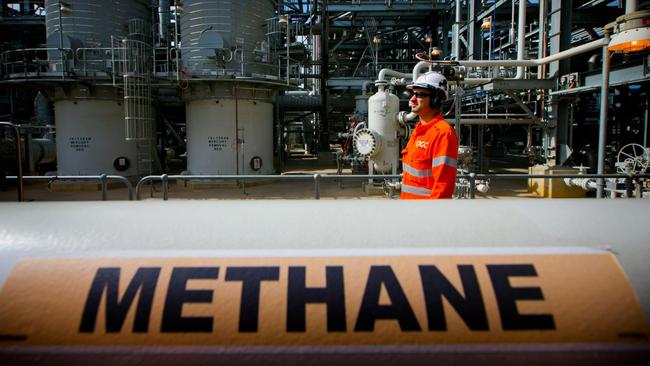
(430, 157)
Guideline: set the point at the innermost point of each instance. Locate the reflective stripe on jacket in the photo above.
(429, 161)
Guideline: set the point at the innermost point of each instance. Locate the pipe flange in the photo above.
(366, 141)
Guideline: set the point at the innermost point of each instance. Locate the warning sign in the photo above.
(347, 300)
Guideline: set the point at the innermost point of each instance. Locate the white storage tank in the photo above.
(90, 24)
(225, 37)
(383, 107)
(90, 138)
(90, 118)
(229, 112)
(214, 127)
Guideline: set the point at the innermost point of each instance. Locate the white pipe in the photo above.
(455, 46)
(542, 36)
(593, 45)
(588, 184)
(416, 69)
(602, 128)
(599, 43)
(364, 87)
(513, 63)
(521, 38)
(163, 20)
(631, 6)
(511, 34)
(388, 72)
(403, 117)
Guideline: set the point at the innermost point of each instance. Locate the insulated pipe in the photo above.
(419, 66)
(455, 47)
(364, 87)
(541, 74)
(41, 150)
(631, 6)
(403, 117)
(521, 38)
(388, 72)
(599, 43)
(511, 33)
(588, 184)
(163, 20)
(593, 45)
(111, 289)
(602, 130)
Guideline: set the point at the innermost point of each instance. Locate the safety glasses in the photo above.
(420, 95)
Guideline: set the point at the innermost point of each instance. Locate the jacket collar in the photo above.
(424, 127)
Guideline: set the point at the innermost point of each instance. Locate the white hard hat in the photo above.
(430, 80)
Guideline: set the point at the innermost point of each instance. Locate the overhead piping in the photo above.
(513, 63)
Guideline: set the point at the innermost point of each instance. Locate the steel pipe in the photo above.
(521, 38)
(602, 128)
(599, 43)
(388, 72)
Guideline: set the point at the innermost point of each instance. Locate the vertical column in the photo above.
(455, 45)
(473, 32)
(444, 41)
(602, 127)
(324, 117)
(557, 130)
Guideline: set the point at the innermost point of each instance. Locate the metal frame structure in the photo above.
(330, 49)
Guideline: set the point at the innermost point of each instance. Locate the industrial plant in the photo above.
(202, 91)
(324, 182)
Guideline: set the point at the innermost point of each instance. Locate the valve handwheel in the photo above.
(633, 158)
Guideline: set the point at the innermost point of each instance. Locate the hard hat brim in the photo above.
(420, 85)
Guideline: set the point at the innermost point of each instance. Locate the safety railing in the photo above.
(632, 181)
(318, 178)
(109, 61)
(629, 179)
(217, 178)
(35, 62)
(102, 179)
(195, 62)
(31, 61)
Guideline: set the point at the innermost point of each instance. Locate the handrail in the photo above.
(12, 59)
(102, 179)
(165, 178)
(317, 178)
(19, 159)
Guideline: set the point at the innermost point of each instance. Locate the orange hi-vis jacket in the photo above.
(429, 161)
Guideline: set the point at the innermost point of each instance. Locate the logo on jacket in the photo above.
(421, 144)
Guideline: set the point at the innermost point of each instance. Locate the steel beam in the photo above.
(492, 121)
(523, 106)
(501, 84)
(382, 7)
(345, 83)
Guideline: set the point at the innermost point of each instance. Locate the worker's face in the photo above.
(420, 100)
